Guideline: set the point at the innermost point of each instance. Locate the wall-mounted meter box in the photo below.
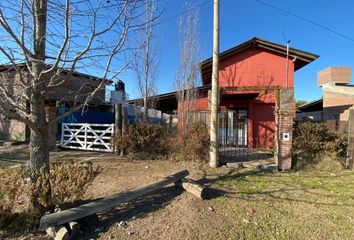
(286, 136)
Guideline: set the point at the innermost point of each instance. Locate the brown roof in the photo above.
(168, 95)
(4, 67)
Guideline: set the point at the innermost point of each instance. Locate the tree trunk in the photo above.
(39, 152)
(39, 157)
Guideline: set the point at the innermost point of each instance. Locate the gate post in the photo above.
(124, 126)
(118, 122)
(350, 150)
(285, 113)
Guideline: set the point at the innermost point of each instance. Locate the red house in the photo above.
(251, 75)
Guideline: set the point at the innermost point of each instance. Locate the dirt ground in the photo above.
(119, 174)
(241, 204)
(177, 209)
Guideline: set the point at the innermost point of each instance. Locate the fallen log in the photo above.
(192, 187)
(105, 204)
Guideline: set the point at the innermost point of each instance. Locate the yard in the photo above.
(243, 204)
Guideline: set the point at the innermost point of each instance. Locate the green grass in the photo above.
(302, 205)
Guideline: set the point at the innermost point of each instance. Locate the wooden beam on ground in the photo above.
(105, 204)
(192, 187)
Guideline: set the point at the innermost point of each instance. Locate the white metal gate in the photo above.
(85, 136)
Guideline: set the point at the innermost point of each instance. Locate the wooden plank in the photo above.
(251, 88)
(102, 205)
(91, 124)
(192, 187)
(91, 143)
(90, 149)
(88, 136)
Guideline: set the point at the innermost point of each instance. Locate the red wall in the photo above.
(253, 67)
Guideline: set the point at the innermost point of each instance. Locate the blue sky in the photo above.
(244, 19)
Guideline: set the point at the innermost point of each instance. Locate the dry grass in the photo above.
(69, 182)
(242, 205)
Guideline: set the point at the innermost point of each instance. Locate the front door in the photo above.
(233, 127)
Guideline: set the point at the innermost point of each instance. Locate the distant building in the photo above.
(338, 97)
(65, 93)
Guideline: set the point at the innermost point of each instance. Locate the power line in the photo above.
(306, 20)
(181, 13)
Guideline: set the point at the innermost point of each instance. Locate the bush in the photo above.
(12, 190)
(68, 182)
(150, 141)
(313, 142)
(194, 144)
(145, 140)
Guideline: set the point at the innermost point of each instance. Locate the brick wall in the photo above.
(76, 83)
(338, 95)
(284, 115)
(51, 112)
(72, 86)
(11, 129)
(337, 103)
(334, 75)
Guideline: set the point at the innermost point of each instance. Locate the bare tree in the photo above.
(50, 38)
(145, 64)
(187, 73)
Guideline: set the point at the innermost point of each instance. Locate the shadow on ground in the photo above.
(94, 225)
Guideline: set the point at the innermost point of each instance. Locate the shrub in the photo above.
(150, 141)
(194, 143)
(144, 139)
(12, 186)
(68, 182)
(313, 142)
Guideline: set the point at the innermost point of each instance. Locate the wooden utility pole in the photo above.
(214, 116)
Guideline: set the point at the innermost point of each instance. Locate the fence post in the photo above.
(350, 150)
(118, 122)
(170, 120)
(62, 134)
(124, 125)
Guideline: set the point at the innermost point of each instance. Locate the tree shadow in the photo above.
(283, 193)
(94, 225)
